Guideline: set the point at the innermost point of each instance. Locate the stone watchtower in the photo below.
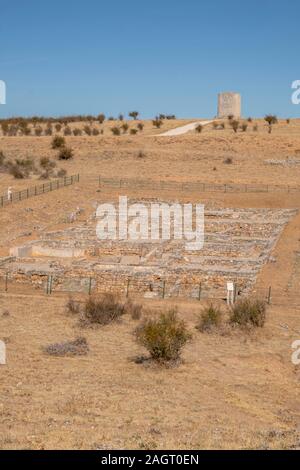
(229, 104)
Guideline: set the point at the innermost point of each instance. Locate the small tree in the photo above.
(157, 123)
(134, 114)
(101, 118)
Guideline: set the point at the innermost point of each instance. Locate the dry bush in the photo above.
(102, 310)
(2, 158)
(140, 126)
(228, 161)
(116, 130)
(164, 337)
(199, 128)
(141, 154)
(249, 312)
(255, 128)
(95, 132)
(125, 127)
(244, 127)
(87, 130)
(157, 123)
(38, 131)
(73, 306)
(21, 168)
(61, 173)
(77, 132)
(46, 163)
(65, 153)
(67, 131)
(210, 318)
(235, 125)
(48, 130)
(79, 347)
(57, 142)
(133, 131)
(58, 127)
(101, 118)
(134, 310)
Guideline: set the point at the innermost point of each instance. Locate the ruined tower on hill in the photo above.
(229, 104)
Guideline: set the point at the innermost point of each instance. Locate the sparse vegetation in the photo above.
(58, 142)
(199, 128)
(249, 312)
(65, 153)
(79, 347)
(103, 310)
(210, 318)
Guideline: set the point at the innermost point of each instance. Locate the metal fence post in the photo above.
(200, 288)
(164, 290)
(269, 295)
(127, 288)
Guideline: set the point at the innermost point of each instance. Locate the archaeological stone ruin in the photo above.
(229, 104)
(238, 242)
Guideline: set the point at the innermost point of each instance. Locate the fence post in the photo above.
(90, 286)
(269, 295)
(200, 288)
(164, 290)
(127, 288)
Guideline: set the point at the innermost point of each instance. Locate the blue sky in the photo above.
(167, 56)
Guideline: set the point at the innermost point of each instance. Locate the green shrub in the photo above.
(210, 318)
(58, 142)
(164, 337)
(249, 312)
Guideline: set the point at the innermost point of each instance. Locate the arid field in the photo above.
(234, 388)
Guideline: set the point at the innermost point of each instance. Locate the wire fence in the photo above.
(16, 196)
(53, 284)
(195, 186)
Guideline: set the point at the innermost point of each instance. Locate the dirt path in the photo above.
(184, 129)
